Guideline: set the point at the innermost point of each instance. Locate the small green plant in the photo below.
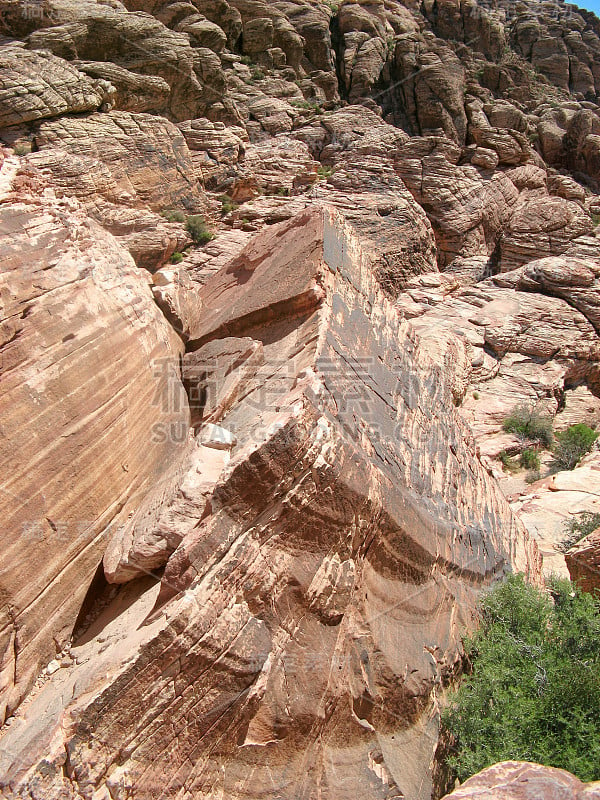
(246, 60)
(282, 191)
(530, 459)
(22, 148)
(176, 258)
(173, 215)
(533, 693)
(508, 463)
(529, 424)
(197, 229)
(227, 204)
(257, 74)
(595, 218)
(324, 172)
(578, 528)
(476, 395)
(572, 445)
(532, 476)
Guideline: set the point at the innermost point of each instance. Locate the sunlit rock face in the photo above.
(83, 356)
(519, 780)
(318, 572)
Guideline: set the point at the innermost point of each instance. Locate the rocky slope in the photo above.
(250, 487)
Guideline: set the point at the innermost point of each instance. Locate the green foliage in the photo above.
(533, 475)
(176, 258)
(572, 445)
(508, 463)
(530, 459)
(227, 204)
(197, 229)
(534, 690)
(595, 218)
(308, 105)
(578, 528)
(22, 148)
(257, 74)
(324, 172)
(476, 395)
(529, 424)
(173, 215)
(246, 60)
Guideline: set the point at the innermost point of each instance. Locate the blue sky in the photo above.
(591, 5)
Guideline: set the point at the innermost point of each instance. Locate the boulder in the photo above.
(323, 580)
(87, 359)
(519, 780)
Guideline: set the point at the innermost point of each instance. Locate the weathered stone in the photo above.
(518, 780)
(84, 351)
(39, 85)
(583, 563)
(332, 516)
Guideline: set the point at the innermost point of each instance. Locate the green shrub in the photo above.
(476, 395)
(530, 459)
(595, 218)
(197, 229)
(533, 475)
(508, 463)
(227, 204)
(572, 445)
(173, 215)
(324, 172)
(176, 258)
(534, 690)
(578, 528)
(529, 424)
(257, 74)
(22, 148)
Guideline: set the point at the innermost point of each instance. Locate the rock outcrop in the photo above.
(86, 358)
(583, 562)
(333, 530)
(273, 276)
(518, 780)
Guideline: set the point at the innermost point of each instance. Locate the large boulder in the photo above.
(331, 556)
(87, 358)
(519, 780)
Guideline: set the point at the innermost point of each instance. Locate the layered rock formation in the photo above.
(514, 780)
(296, 426)
(321, 562)
(83, 346)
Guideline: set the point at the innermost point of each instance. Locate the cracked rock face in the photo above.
(80, 336)
(334, 528)
(250, 459)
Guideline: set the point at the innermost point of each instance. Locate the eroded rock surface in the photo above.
(82, 347)
(518, 780)
(328, 558)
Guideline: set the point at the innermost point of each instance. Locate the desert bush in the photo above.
(176, 258)
(529, 424)
(22, 148)
(197, 229)
(578, 528)
(173, 215)
(534, 689)
(323, 171)
(529, 459)
(508, 463)
(227, 204)
(572, 445)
